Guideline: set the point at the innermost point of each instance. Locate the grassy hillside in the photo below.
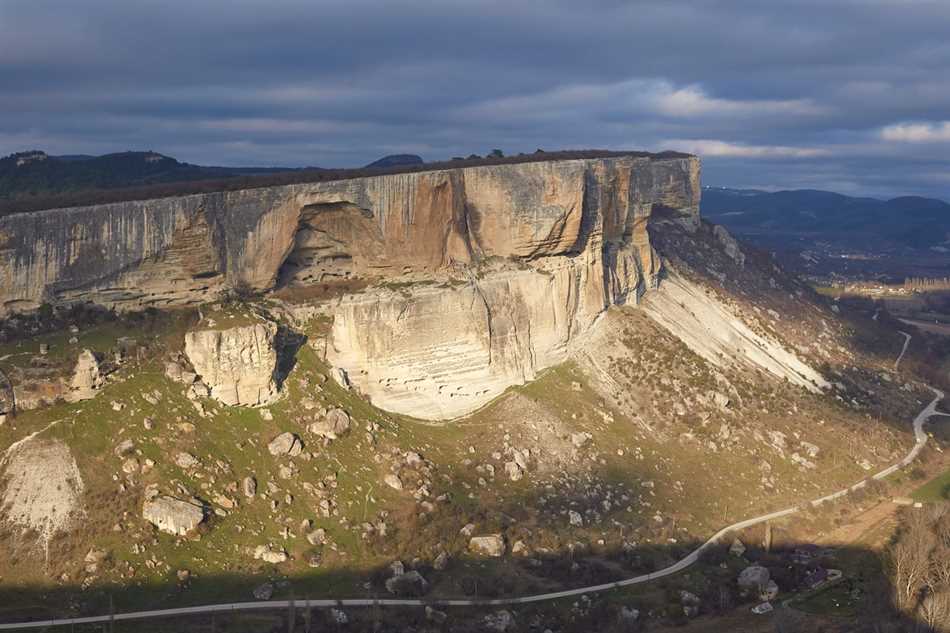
(631, 461)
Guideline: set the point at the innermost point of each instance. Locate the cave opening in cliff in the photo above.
(329, 248)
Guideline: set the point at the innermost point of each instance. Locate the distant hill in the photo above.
(35, 173)
(396, 160)
(907, 222)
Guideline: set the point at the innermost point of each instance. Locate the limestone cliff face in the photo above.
(181, 251)
(501, 270)
(544, 250)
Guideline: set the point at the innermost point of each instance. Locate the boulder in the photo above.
(172, 515)
(500, 621)
(175, 372)
(186, 460)
(410, 583)
(239, 364)
(628, 618)
(285, 444)
(393, 481)
(335, 424)
(317, 537)
(580, 439)
(753, 578)
(264, 592)
(720, 399)
(249, 486)
(487, 545)
(270, 555)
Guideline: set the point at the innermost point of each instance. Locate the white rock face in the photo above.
(550, 249)
(237, 364)
(172, 515)
(713, 331)
(438, 353)
(43, 487)
(87, 377)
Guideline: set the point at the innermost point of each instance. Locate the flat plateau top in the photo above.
(302, 176)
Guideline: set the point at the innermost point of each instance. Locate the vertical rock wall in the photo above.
(502, 269)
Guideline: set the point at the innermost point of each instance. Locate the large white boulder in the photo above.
(238, 364)
(171, 515)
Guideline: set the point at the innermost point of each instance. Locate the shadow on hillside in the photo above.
(288, 342)
(558, 556)
(860, 601)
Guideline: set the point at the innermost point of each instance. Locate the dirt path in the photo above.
(866, 528)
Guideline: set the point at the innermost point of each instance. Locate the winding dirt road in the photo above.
(920, 439)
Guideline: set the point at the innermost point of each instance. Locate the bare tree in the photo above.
(910, 560)
(935, 610)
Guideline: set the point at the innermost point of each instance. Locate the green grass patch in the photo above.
(935, 490)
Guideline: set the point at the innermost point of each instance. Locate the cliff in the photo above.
(498, 270)
(183, 250)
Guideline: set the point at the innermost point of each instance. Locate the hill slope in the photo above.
(36, 173)
(623, 379)
(909, 221)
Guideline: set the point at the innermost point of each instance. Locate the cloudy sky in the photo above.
(848, 95)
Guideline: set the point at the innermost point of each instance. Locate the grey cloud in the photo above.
(797, 93)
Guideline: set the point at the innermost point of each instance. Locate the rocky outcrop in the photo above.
(472, 279)
(729, 244)
(237, 364)
(87, 377)
(524, 257)
(171, 515)
(544, 250)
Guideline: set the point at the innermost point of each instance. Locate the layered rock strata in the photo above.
(478, 277)
(186, 250)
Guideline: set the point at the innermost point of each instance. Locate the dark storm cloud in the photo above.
(848, 95)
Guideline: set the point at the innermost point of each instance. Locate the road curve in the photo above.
(920, 439)
(900, 356)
